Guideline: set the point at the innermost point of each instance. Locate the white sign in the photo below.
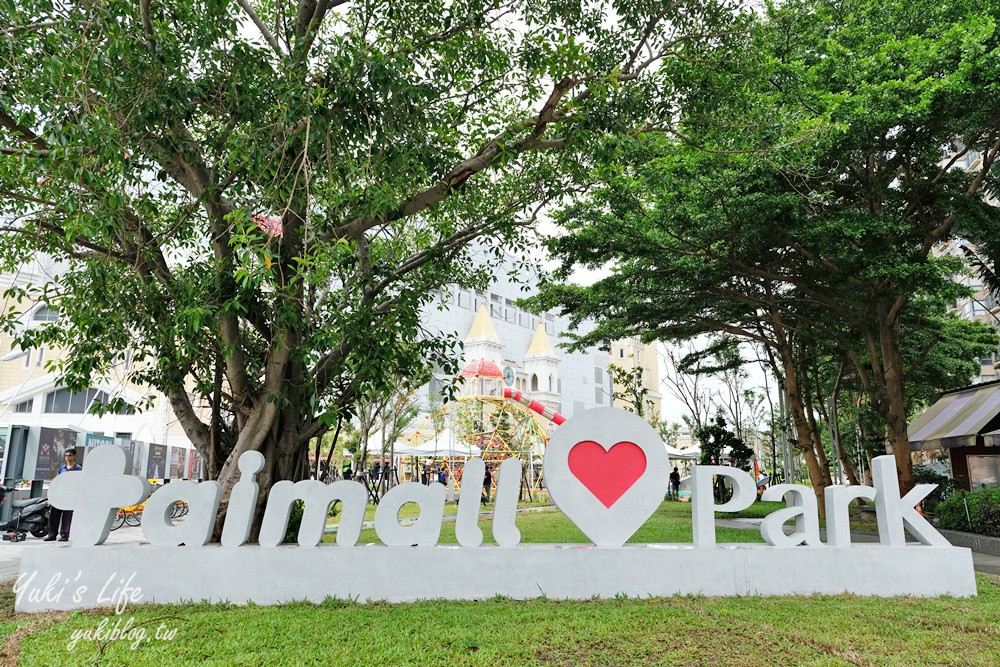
(606, 469)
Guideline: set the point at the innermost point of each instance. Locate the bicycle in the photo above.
(128, 516)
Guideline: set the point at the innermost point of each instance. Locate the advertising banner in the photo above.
(156, 467)
(52, 444)
(177, 461)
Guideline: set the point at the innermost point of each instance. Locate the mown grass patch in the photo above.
(815, 630)
(671, 523)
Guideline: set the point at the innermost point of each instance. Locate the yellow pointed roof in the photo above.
(482, 326)
(540, 343)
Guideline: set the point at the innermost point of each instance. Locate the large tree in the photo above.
(817, 210)
(258, 197)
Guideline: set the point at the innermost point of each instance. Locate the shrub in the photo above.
(983, 512)
(925, 474)
(989, 516)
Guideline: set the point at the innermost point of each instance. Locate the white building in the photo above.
(526, 346)
(39, 418)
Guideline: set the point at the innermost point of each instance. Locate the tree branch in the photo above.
(264, 31)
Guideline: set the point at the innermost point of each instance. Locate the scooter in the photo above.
(30, 515)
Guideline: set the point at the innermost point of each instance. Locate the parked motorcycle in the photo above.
(30, 515)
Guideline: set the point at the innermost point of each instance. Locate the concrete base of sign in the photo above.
(53, 579)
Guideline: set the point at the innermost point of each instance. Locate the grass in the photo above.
(814, 630)
(670, 523)
(410, 510)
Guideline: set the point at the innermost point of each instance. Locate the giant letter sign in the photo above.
(606, 469)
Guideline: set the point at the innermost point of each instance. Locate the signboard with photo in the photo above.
(156, 467)
(52, 444)
(138, 456)
(177, 461)
(194, 465)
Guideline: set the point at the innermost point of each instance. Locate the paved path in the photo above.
(10, 552)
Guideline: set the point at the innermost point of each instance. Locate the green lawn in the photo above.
(815, 630)
(670, 523)
(450, 509)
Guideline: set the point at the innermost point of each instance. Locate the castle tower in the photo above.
(541, 365)
(482, 341)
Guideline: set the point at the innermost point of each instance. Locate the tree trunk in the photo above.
(816, 439)
(795, 405)
(852, 474)
(893, 406)
(275, 433)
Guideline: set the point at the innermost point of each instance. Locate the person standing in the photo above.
(60, 520)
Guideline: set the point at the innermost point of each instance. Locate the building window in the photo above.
(598, 375)
(496, 297)
(45, 314)
(63, 401)
(124, 435)
(621, 353)
(550, 329)
(599, 395)
(534, 382)
(24, 406)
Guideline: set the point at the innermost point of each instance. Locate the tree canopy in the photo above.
(258, 198)
(801, 192)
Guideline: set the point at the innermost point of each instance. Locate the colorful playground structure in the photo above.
(488, 420)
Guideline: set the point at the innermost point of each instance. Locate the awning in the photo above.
(992, 438)
(957, 418)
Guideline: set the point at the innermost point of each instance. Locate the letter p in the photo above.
(703, 507)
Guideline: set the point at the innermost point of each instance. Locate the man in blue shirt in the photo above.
(60, 520)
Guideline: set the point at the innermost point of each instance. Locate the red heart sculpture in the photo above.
(607, 473)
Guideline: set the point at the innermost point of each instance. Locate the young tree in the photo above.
(718, 443)
(686, 384)
(630, 388)
(258, 198)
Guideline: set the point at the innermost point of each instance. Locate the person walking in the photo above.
(675, 484)
(487, 482)
(60, 520)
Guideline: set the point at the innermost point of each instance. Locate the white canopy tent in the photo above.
(689, 454)
(442, 445)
